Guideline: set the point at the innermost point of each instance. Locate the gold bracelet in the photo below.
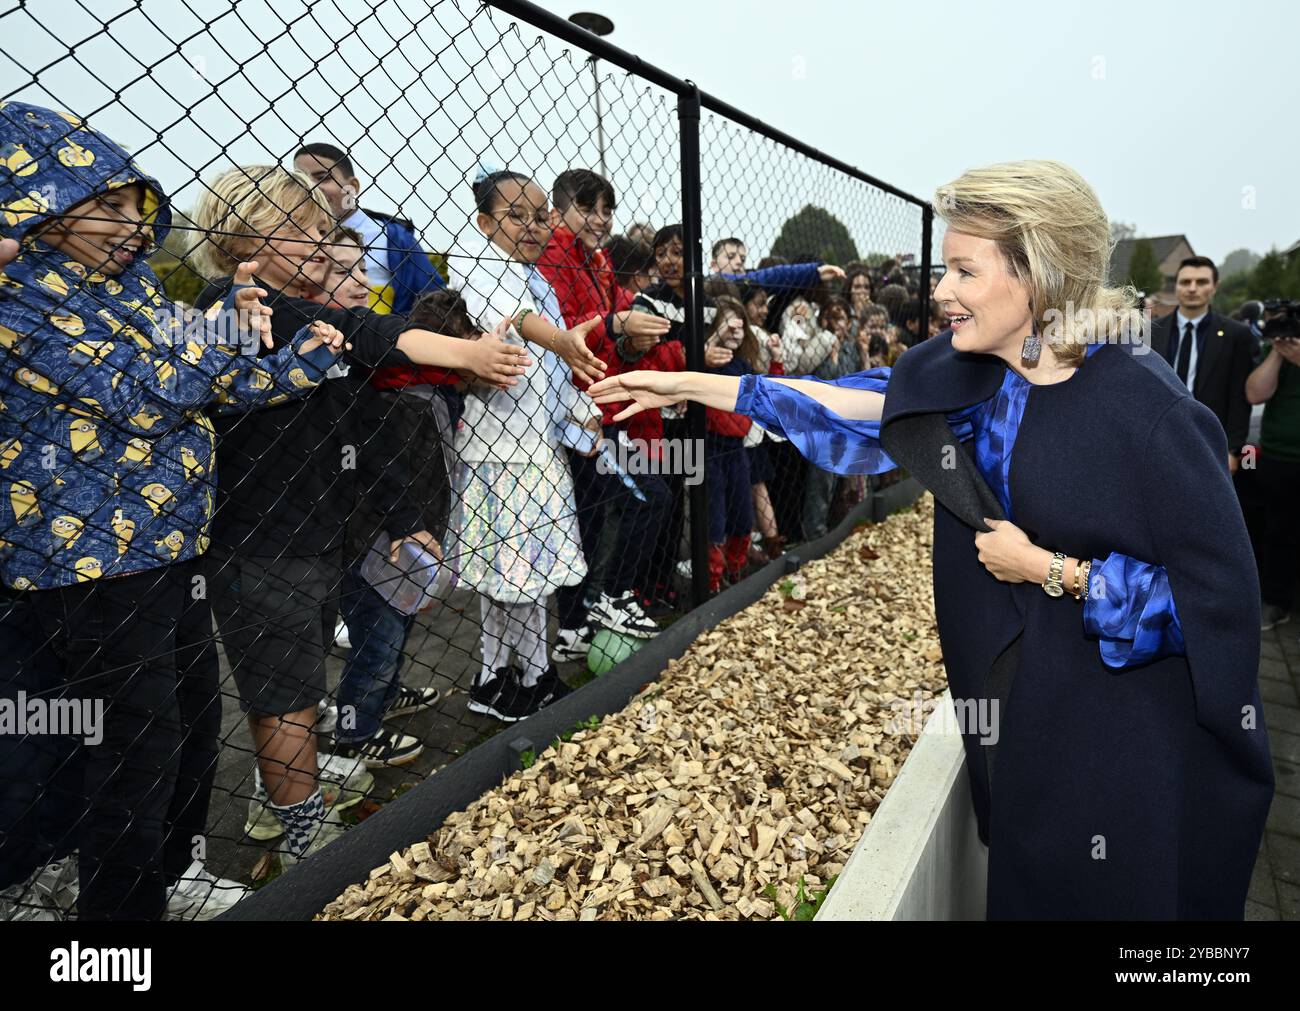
(555, 338)
(1087, 575)
(1074, 585)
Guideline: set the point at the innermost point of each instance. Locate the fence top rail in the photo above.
(633, 64)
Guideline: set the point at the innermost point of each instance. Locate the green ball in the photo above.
(609, 648)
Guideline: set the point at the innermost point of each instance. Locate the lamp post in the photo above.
(597, 24)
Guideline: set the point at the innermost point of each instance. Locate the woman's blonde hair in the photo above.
(1055, 239)
(244, 205)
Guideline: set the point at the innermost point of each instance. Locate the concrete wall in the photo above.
(920, 857)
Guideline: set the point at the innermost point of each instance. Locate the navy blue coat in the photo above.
(1111, 794)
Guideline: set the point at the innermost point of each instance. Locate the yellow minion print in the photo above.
(158, 497)
(259, 379)
(138, 451)
(9, 451)
(146, 418)
(200, 543)
(22, 499)
(166, 374)
(85, 440)
(299, 378)
(173, 542)
(193, 469)
(70, 323)
(70, 118)
(140, 339)
(54, 283)
(11, 341)
(28, 206)
(90, 352)
(76, 156)
(77, 268)
(192, 353)
(113, 286)
(88, 568)
(124, 529)
(113, 322)
(23, 583)
(66, 529)
(18, 160)
(35, 381)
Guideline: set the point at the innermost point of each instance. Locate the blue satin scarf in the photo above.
(1129, 607)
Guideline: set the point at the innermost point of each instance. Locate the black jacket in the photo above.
(1224, 361)
(1111, 794)
(290, 476)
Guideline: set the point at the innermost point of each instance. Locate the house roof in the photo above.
(1162, 245)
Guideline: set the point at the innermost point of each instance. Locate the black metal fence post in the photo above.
(688, 119)
(927, 225)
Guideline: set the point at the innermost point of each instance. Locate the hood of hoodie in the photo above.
(51, 161)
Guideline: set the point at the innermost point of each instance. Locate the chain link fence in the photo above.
(257, 584)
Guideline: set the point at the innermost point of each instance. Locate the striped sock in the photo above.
(301, 821)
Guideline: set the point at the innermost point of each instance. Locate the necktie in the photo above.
(1185, 352)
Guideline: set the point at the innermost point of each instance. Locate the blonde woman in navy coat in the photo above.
(1094, 584)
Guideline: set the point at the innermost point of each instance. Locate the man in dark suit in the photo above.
(1213, 355)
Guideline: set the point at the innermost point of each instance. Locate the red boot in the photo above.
(715, 568)
(737, 553)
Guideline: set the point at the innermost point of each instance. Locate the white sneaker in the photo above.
(50, 894)
(327, 716)
(623, 615)
(684, 568)
(341, 635)
(572, 643)
(201, 895)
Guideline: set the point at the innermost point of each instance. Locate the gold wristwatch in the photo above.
(1053, 587)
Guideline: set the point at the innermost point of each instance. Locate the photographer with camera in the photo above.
(1275, 383)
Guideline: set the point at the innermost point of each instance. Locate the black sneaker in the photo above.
(388, 747)
(624, 615)
(550, 688)
(1271, 616)
(572, 643)
(653, 606)
(503, 697)
(412, 700)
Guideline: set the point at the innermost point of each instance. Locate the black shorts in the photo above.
(760, 464)
(268, 612)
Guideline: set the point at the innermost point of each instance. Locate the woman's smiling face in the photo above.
(987, 308)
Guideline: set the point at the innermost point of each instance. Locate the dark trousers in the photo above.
(787, 489)
(591, 493)
(731, 502)
(143, 644)
(370, 681)
(667, 546)
(1277, 490)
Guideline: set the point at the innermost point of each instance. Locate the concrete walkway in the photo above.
(1275, 887)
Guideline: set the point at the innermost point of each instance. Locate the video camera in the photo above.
(1281, 319)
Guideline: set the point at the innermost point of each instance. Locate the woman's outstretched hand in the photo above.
(1008, 554)
(645, 388)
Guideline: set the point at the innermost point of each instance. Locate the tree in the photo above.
(1121, 230)
(1239, 261)
(816, 232)
(1268, 278)
(1144, 269)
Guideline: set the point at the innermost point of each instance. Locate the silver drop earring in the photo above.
(1033, 346)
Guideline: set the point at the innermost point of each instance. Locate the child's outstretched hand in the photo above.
(8, 252)
(252, 316)
(495, 361)
(715, 357)
(645, 388)
(571, 345)
(324, 335)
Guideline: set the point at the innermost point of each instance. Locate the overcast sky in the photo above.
(1179, 114)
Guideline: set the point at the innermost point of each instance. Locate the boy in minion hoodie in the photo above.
(107, 473)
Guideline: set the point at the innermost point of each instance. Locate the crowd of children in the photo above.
(330, 399)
